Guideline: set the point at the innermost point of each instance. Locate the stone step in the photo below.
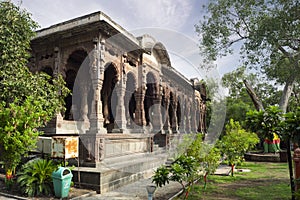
(133, 158)
(138, 164)
(109, 176)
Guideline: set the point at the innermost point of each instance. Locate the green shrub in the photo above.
(35, 177)
(161, 176)
(236, 143)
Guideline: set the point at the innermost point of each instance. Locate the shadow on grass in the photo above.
(268, 181)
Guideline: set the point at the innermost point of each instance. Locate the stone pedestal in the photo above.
(92, 149)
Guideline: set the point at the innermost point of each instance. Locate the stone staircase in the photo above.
(115, 172)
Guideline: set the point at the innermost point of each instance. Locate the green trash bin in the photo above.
(62, 182)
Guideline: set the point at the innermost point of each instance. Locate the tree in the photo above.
(265, 122)
(211, 161)
(195, 159)
(294, 99)
(27, 101)
(268, 32)
(272, 120)
(238, 102)
(207, 157)
(291, 126)
(236, 143)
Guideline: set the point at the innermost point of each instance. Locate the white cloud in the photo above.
(168, 15)
(47, 13)
(132, 14)
(171, 14)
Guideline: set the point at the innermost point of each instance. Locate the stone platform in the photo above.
(119, 171)
(266, 157)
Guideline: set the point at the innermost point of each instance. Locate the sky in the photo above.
(169, 21)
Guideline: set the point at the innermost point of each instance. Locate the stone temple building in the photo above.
(128, 104)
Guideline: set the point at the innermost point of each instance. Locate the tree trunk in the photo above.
(296, 94)
(255, 99)
(205, 180)
(286, 93)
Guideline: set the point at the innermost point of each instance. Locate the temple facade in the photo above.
(126, 98)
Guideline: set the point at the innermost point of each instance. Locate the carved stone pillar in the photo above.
(139, 96)
(203, 116)
(57, 120)
(84, 109)
(166, 103)
(57, 62)
(157, 117)
(197, 116)
(183, 117)
(93, 142)
(97, 73)
(174, 117)
(140, 112)
(188, 118)
(199, 125)
(130, 107)
(120, 117)
(193, 117)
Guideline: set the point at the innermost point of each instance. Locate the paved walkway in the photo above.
(137, 190)
(5, 198)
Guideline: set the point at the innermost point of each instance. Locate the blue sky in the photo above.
(169, 21)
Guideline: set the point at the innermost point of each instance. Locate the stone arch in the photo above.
(151, 90)
(130, 102)
(161, 54)
(157, 49)
(112, 64)
(108, 97)
(74, 61)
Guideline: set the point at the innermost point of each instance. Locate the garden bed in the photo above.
(14, 191)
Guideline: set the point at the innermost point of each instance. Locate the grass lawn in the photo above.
(267, 181)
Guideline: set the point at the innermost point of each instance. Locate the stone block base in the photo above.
(116, 172)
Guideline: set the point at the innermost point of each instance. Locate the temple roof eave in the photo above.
(92, 21)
